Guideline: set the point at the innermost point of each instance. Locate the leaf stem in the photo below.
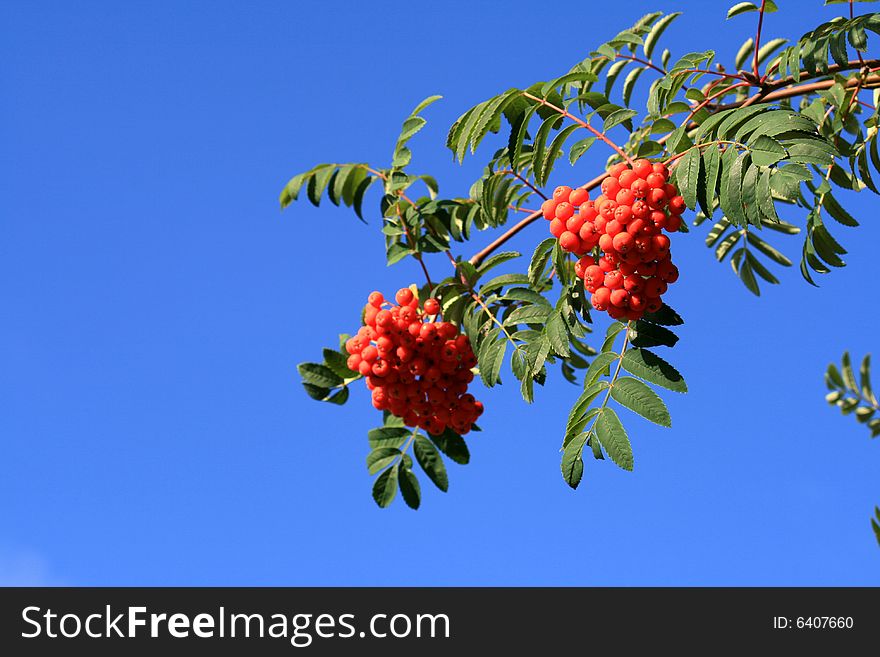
(758, 37)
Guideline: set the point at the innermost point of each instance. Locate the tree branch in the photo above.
(770, 93)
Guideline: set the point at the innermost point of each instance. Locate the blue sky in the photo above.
(156, 302)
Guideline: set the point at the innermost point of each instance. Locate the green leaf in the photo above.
(766, 151)
(338, 363)
(385, 487)
(657, 31)
(834, 376)
(572, 461)
(579, 148)
(381, 458)
(557, 334)
(688, 177)
(707, 186)
(639, 398)
(316, 392)
(617, 117)
(431, 462)
(490, 359)
(388, 437)
(599, 367)
(534, 314)
(410, 489)
(865, 379)
(645, 334)
(741, 8)
(577, 416)
(665, 316)
(453, 445)
(746, 49)
(848, 376)
(613, 438)
(629, 83)
(653, 369)
(837, 212)
(539, 260)
(497, 259)
(339, 398)
(768, 250)
(318, 375)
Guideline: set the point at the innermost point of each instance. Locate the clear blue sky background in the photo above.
(156, 302)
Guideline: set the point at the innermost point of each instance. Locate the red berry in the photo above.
(623, 242)
(640, 188)
(656, 180)
(623, 213)
(676, 205)
(643, 168)
(673, 223)
(601, 298)
(548, 208)
(562, 193)
(557, 227)
(613, 280)
(432, 306)
(404, 296)
(619, 298)
(627, 178)
(579, 196)
(564, 211)
(569, 241)
(376, 299)
(617, 169)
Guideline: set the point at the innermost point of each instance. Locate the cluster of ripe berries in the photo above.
(417, 369)
(633, 266)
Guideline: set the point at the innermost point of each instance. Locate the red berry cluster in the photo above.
(416, 368)
(625, 222)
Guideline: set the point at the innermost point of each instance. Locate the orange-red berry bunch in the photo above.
(416, 368)
(632, 267)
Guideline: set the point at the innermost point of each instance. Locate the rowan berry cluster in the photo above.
(624, 257)
(416, 367)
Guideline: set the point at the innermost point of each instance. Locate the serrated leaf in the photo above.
(746, 49)
(653, 369)
(318, 375)
(410, 489)
(741, 8)
(846, 370)
(431, 462)
(539, 260)
(645, 334)
(385, 487)
(613, 438)
(572, 465)
(768, 250)
(316, 392)
(639, 398)
(381, 458)
(766, 151)
(617, 117)
(453, 445)
(388, 437)
(599, 367)
(687, 176)
(657, 31)
(579, 148)
(665, 316)
(534, 314)
(557, 334)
